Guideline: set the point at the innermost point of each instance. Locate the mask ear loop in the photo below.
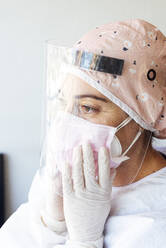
(124, 123)
(134, 140)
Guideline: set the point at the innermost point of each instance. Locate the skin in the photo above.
(86, 102)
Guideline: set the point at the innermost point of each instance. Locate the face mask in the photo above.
(68, 131)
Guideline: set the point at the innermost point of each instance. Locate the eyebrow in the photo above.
(91, 96)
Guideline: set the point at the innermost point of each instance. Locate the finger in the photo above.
(104, 168)
(113, 174)
(53, 186)
(66, 179)
(54, 205)
(88, 166)
(77, 169)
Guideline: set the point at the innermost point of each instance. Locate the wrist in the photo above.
(87, 244)
(52, 223)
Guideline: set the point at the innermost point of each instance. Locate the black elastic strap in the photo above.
(91, 61)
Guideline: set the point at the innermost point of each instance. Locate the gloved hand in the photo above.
(87, 201)
(53, 215)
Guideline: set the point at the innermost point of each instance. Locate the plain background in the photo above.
(25, 25)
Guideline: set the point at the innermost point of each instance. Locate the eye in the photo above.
(88, 109)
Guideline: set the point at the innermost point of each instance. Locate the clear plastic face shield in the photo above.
(77, 112)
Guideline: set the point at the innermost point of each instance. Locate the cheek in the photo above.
(112, 117)
(105, 118)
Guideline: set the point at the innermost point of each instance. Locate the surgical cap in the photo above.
(140, 90)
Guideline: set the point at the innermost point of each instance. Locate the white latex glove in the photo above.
(53, 215)
(87, 202)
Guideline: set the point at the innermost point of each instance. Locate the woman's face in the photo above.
(86, 102)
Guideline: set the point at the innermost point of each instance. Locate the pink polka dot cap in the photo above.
(140, 90)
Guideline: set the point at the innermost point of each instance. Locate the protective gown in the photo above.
(137, 217)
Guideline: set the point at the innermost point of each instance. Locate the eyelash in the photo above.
(89, 107)
(78, 107)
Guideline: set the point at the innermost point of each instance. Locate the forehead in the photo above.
(74, 85)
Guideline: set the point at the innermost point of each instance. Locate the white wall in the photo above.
(24, 27)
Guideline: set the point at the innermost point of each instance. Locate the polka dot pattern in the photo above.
(142, 85)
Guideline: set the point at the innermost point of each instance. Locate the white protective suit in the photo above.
(137, 217)
(138, 211)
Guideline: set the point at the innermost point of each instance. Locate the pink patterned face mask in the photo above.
(69, 131)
